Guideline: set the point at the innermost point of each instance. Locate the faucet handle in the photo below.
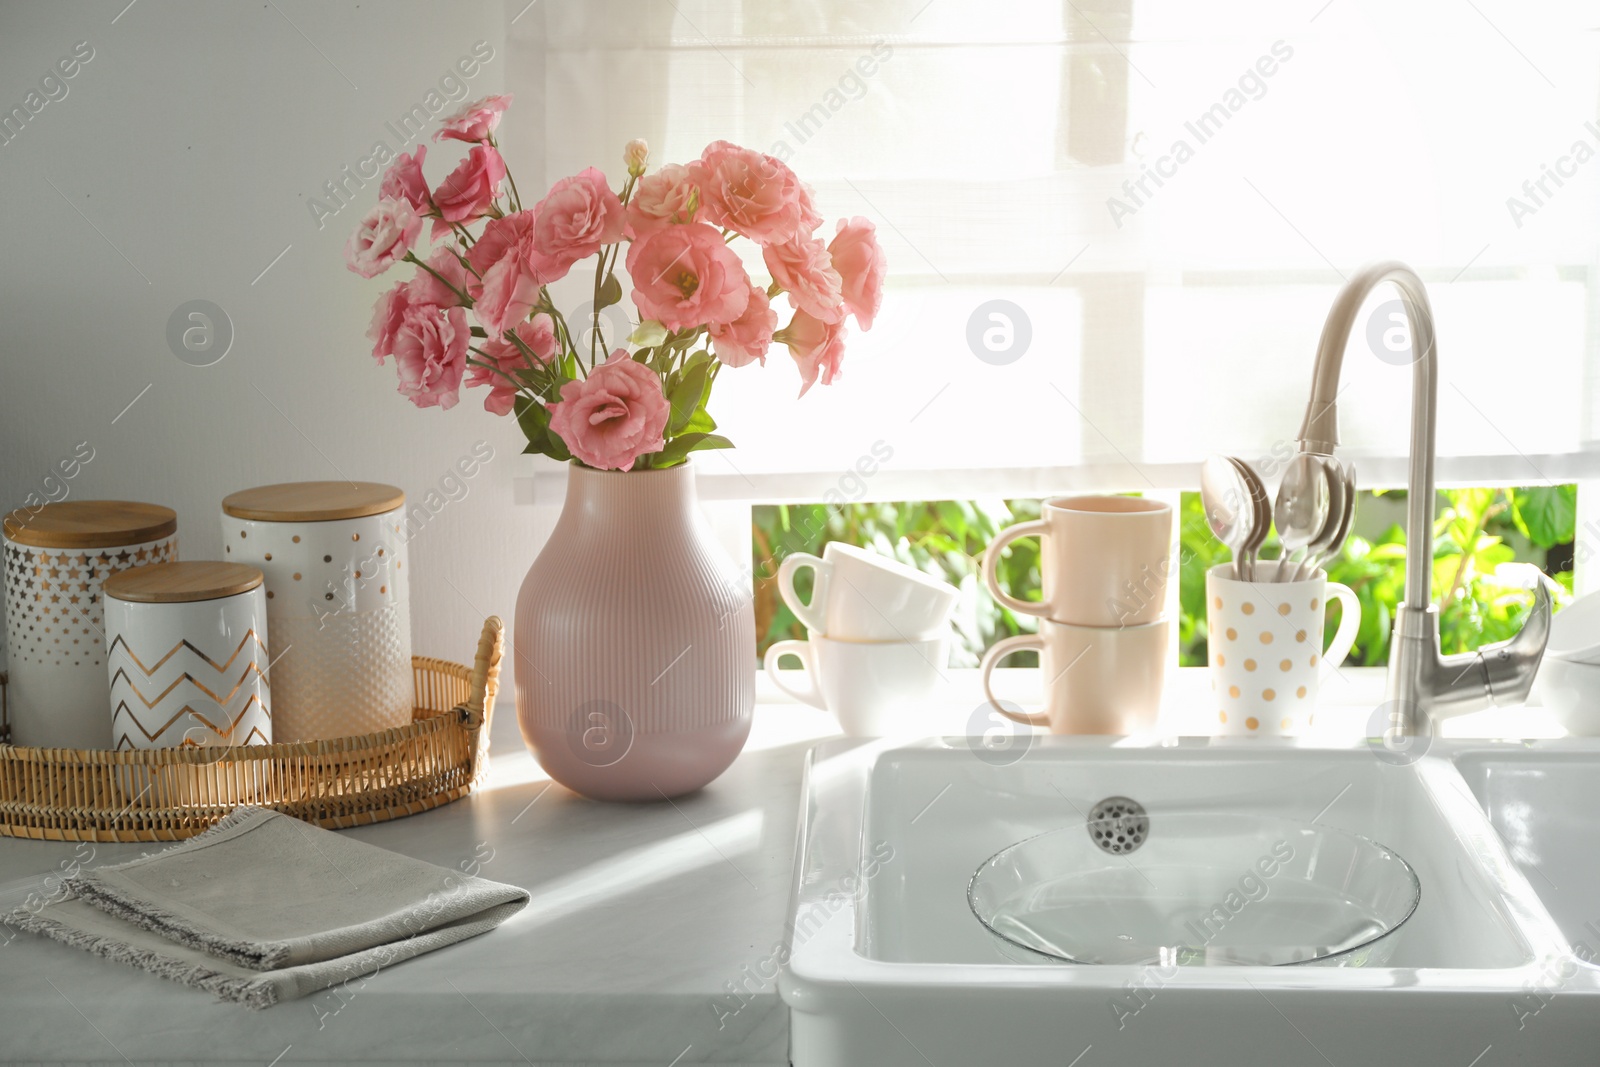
(1510, 666)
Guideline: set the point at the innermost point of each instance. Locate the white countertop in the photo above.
(650, 939)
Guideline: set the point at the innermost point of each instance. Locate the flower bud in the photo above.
(634, 155)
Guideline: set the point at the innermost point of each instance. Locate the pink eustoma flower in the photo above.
(430, 352)
(510, 273)
(687, 276)
(470, 190)
(476, 121)
(577, 216)
(383, 238)
(746, 339)
(753, 193)
(404, 181)
(803, 269)
(614, 416)
(539, 335)
(662, 199)
(817, 348)
(862, 266)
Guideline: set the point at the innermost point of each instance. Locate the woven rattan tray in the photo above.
(167, 794)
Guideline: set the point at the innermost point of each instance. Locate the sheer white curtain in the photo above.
(1010, 152)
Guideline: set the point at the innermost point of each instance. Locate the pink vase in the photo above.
(635, 641)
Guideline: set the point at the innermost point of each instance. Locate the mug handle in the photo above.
(991, 563)
(801, 650)
(1349, 623)
(812, 614)
(991, 658)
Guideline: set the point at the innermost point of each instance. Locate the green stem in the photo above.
(466, 301)
(493, 367)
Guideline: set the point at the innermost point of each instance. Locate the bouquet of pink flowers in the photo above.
(698, 310)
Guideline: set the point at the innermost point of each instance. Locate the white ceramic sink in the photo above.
(888, 965)
(1543, 798)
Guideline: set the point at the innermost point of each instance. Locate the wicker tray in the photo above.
(167, 794)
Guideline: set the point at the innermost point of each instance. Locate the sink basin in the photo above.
(1543, 799)
(887, 963)
(1204, 890)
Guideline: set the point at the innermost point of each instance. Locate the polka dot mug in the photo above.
(1266, 648)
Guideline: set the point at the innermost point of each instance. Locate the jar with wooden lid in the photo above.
(334, 559)
(57, 558)
(188, 656)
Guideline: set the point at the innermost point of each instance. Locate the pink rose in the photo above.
(753, 193)
(685, 276)
(614, 416)
(471, 189)
(576, 217)
(817, 347)
(802, 269)
(661, 199)
(746, 338)
(404, 181)
(430, 352)
(476, 121)
(383, 237)
(862, 265)
(540, 337)
(511, 273)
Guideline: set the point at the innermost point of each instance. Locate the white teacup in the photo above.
(1265, 641)
(1097, 679)
(872, 688)
(861, 595)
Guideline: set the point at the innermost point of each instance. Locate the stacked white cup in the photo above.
(879, 641)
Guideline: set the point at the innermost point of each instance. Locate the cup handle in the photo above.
(812, 614)
(991, 563)
(801, 650)
(991, 658)
(1349, 623)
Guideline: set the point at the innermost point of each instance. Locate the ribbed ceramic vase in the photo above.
(635, 641)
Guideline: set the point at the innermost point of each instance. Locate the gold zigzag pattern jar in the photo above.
(57, 558)
(338, 602)
(188, 656)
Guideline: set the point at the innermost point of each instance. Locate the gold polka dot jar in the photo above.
(338, 607)
(1266, 647)
(57, 558)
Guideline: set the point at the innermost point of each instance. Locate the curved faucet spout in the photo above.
(1422, 683)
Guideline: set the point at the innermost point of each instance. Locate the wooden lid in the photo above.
(313, 501)
(90, 524)
(181, 583)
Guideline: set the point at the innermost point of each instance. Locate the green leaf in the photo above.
(610, 293)
(678, 448)
(700, 422)
(648, 334)
(479, 331)
(688, 396)
(1546, 515)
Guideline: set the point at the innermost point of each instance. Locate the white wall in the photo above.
(190, 143)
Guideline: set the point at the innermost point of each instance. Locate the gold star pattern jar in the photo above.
(57, 558)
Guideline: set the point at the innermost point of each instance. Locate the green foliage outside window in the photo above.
(1476, 531)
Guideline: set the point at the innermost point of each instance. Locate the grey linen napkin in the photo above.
(263, 908)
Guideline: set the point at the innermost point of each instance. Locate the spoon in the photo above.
(1263, 514)
(1303, 504)
(1320, 544)
(1230, 509)
(1346, 517)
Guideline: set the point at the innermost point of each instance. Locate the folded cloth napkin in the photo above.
(263, 907)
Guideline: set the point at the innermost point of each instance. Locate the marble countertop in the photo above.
(652, 936)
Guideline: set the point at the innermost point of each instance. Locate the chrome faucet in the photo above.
(1423, 684)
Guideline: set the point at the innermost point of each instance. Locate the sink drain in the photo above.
(1118, 825)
